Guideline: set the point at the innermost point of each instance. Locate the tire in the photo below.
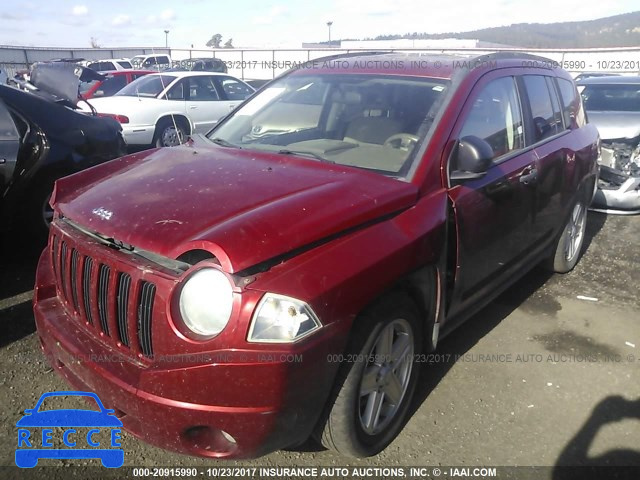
(569, 245)
(170, 134)
(39, 213)
(351, 424)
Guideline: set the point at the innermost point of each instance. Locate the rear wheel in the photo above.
(376, 382)
(569, 245)
(170, 133)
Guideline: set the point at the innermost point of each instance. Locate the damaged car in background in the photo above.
(613, 106)
(43, 138)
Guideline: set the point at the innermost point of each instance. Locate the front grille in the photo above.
(100, 292)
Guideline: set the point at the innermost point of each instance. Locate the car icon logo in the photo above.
(78, 444)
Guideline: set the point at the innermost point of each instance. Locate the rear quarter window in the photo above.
(572, 109)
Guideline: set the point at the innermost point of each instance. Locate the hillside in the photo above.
(616, 31)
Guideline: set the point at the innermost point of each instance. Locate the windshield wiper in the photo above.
(224, 143)
(305, 152)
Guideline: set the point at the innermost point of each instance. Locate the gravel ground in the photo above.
(546, 375)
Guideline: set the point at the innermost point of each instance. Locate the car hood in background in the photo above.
(616, 125)
(243, 206)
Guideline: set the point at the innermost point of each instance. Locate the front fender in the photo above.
(340, 278)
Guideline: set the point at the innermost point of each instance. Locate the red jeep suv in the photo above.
(280, 277)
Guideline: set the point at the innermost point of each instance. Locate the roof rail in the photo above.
(511, 55)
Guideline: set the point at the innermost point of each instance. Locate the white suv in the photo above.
(110, 64)
(152, 62)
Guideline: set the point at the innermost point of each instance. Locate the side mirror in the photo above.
(471, 158)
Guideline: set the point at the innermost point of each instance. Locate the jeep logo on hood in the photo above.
(103, 213)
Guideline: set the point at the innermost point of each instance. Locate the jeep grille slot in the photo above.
(86, 288)
(63, 269)
(54, 253)
(145, 312)
(103, 296)
(122, 302)
(75, 257)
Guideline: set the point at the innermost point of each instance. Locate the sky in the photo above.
(285, 23)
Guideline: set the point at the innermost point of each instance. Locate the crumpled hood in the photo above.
(616, 125)
(245, 207)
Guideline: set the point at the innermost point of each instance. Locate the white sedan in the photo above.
(162, 109)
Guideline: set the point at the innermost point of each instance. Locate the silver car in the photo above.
(613, 106)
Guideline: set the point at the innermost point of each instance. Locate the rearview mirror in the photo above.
(471, 158)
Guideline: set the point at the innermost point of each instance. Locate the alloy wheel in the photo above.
(386, 376)
(575, 231)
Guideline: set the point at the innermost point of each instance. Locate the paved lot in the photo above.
(540, 377)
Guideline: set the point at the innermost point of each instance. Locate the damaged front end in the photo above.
(619, 184)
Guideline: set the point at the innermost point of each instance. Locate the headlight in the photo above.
(206, 300)
(282, 319)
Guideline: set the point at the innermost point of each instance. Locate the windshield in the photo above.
(370, 121)
(616, 98)
(147, 86)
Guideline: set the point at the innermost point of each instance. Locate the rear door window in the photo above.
(555, 103)
(202, 89)
(545, 123)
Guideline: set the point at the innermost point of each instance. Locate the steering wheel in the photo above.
(402, 141)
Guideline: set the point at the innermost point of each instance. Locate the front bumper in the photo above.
(617, 193)
(255, 407)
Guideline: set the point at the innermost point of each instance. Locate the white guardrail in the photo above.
(266, 64)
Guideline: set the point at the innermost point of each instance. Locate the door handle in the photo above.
(231, 107)
(193, 107)
(529, 175)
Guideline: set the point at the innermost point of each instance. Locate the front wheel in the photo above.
(569, 245)
(374, 387)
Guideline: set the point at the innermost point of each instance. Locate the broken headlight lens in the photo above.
(282, 319)
(206, 301)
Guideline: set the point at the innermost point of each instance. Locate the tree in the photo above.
(215, 41)
(94, 43)
(229, 43)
